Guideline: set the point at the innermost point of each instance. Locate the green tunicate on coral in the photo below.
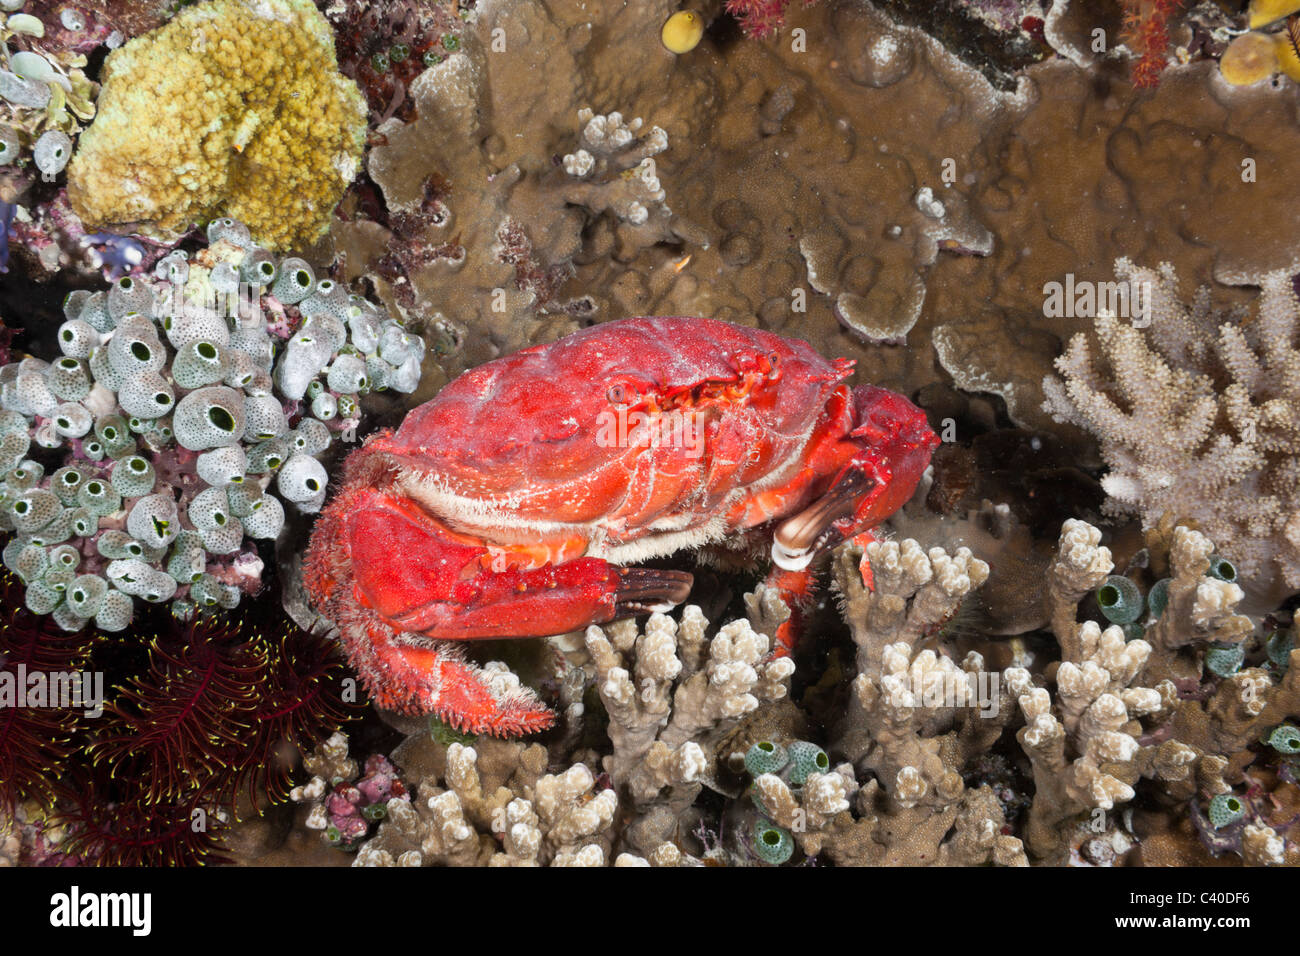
(380, 62)
(1222, 568)
(450, 42)
(806, 758)
(1285, 739)
(1120, 600)
(1224, 660)
(431, 58)
(765, 757)
(375, 811)
(1279, 646)
(772, 843)
(1158, 597)
(1225, 810)
(445, 734)
(398, 52)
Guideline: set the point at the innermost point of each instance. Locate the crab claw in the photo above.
(647, 590)
(894, 445)
(434, 677)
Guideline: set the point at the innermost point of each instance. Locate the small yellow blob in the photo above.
(683, 31)
(1264, 12)
(1248, 59)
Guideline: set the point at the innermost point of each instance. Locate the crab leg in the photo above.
(424, 578)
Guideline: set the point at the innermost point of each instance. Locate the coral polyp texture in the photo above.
(1197, 417)
(233, 108)
(186, 410)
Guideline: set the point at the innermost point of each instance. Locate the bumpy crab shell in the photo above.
(544, 442)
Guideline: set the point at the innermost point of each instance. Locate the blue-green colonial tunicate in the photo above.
(223, 540)
(99, 497)
(295, 282)
(196, 326)
(301, 479)
(147, 395)
(116, 544)
(806, 758)
(325, 407)
(1158, 597)
(52, 151)
(209, 510)
(76, 338)
(34, 508)
(132, 476)
(72, 420)
(1120, 600)
(1224, 660)
(223, 466)
(65, 482)
(311, 437)
(130, 300)
(242, 371)
(187, 560)
(198, 363)
(69, 379)
(772, 844)
(86, 594)
(209, 417)
(266, 522)
(304, 357)
(154, 520)
(1225, 810)
(258, 267)
(114, 612)
(135, 347)
(245, 499)
(765, 757)
(264, 419)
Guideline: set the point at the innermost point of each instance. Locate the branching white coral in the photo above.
(1199, 417)
(682, 688)
(615, 170)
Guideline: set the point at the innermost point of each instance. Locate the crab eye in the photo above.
(618, 394)
(774, 360)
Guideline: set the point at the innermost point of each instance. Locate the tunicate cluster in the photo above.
(186, 417)
(793, 764)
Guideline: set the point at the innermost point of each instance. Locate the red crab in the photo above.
(515, 503)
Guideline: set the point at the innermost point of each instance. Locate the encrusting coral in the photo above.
(233, 108)
(1198, 416)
